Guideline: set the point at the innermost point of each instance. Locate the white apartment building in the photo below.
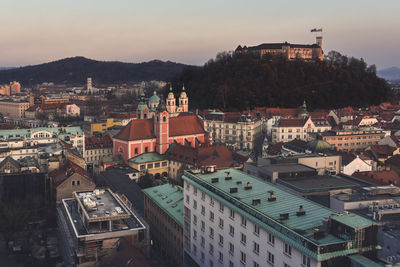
(233, 219)
(286, 130)
(236, 130)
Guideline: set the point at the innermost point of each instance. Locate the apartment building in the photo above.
(14, 109)
(236, 130)
(353, 139)
(234, 219)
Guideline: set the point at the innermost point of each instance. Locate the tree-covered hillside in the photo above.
(241, 81)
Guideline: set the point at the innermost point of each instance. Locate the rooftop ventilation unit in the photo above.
(248, 186)
(233, 190)
(214, 180)
(228, 176)
(271, 196)
(301, 211)
(239, 182)
(318, 233)
(283, 216)
(256, 201)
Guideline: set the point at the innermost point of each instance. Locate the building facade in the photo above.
(233, 219)
(14, 109)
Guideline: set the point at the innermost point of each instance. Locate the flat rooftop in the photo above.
(289, 167)
(317, 183)
(106, 207)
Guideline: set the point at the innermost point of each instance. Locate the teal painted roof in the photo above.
(297, 231)
(363, 261)
(142, 106)
(147, 157)
(169, 198)
(353, 220)
(154, 99)
(59, 131)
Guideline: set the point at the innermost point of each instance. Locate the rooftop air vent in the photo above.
(239, 182)
(283, 216)
(301, 211)
(256, 201)
(248, 186)
(228, 176)
(214, 180)
(271, 196)
(233, 190)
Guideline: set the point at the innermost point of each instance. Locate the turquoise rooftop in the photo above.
(22, 133)
(296, 230)
(147, 157)
(169, 198)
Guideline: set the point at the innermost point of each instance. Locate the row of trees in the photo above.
(241, 81)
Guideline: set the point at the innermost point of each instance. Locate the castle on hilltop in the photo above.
(291, 51)
(147, 110)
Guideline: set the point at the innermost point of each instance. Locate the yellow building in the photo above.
(152, 162)
(101, 127)
(14, 109)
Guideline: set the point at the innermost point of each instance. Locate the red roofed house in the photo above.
(156, 134)
(69, 178)
(97, 148)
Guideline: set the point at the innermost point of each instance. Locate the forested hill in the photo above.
(237, 82)
(75, 70)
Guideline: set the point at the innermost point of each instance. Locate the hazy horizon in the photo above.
(191, 32)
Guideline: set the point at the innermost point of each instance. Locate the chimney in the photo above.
(271, 196)
(248, 186)
(301, 211)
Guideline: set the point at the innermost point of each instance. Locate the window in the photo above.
(203, 226)
(211, 263)
(194, 249)
(221, 240)
(231, 248)
(202, 257)
(256, 248)
(244, 222)
(231, 264)
(194, 204)
(221, 207)
(255, 264)
(211, 216)
(203, 210)
(271, 239)
(256, 230)
(286, 265)
(243, 238)
(242, 257)
(187, 199)
(203, 196)
(146, 149)
(211, 202)
(211, 249)
(305, 261)
(220, 257)
(288, 249)
(211, 233)
(136, 150)
(202, 242)
(270, 258)
(195, 191)
(78, 182)
(194, 219)
(194, 234)
(231, 230)
(232, 214)
(221, 223)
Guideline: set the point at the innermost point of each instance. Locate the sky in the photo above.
(192, 32)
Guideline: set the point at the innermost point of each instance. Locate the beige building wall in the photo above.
(13, 109)
(74, 183)
(323, 163)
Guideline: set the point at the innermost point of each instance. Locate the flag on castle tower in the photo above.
(316, 30)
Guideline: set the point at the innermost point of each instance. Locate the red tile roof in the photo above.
(144, 128)
(67, 170)
(98, 142)
(379, 177)
(383, 150)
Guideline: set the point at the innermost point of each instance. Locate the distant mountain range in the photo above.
(391, 74)
(75, 70)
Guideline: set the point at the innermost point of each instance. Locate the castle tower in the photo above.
(142, 108)
(171, 104)
(319, 41)
(161, 128)
(184, 100)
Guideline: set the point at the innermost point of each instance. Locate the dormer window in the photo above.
(164, 118)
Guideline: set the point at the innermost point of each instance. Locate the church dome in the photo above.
(319, 146)
(142, 106)
(154, 98)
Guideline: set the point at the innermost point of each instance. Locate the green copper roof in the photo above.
(58, 131)
(295, 230)
(169, 198)
(362, 261)
(353, 220)
(142, 106)
(147, 157)
(154, 98)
